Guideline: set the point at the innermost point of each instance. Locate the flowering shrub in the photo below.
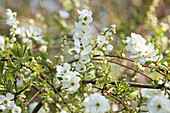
(86, 83)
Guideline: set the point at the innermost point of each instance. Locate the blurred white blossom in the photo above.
(34, 32)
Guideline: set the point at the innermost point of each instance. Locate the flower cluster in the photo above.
(11, 17)
(21, 31)
(96, 103)
(7, 104)
(104, 39)
(136, 44)
(11, 21)
(82, 35)
(70, 78)
(157, 102)
(104, 43)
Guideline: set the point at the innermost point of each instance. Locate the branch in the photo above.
(128, 59)
(128, 68)
(31, 99)
(121, 102)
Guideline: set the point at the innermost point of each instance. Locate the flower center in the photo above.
(81, 48)
(85, 18)
(83, 32)
(159, 106)
(81, 69)
(65, 71)
(97, 104)
(5, 101)
(66, 78)
(72, 84)
(32, 35)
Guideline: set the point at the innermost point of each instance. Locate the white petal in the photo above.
(31, 28)
(37, 31)
(9, 96)
(37, 38)
(28, 33)
(85, 41)
(2, 107)
(2, 98)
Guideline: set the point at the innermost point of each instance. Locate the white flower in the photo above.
(149, 93)
(20, 31)
(77, 36)
(11, 17)
(43, 48)
(2, 42)
(109, 47)
(80, 67)
(96, 103)
(64, 14)
(71, 81)
(83, 48)
(89, 87)
(160, 82)
(63, 111)
(82, 28)
(136, 44)
(159, 104)
(16, 109)
(84, 59)
(63, 69)
(85, 16)
(56, 81)
(6, 100)
(167, 84)
(144, 53)
(101, 40)
(34, 33)
(140, 67)
(20, 83)
(151, 53)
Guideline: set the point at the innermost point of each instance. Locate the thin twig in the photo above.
(128, 68)
(31, 100)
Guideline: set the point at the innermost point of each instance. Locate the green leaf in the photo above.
(90, 69)
(3, 91)
(10, 65)
(9, 84)
(19, 51)
(116, 82)
(30, 52)
(164, 60)
(2, 67)
(24, 49)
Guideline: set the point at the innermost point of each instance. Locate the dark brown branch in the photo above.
(128, 59)
(120, 101)
(128, 68)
